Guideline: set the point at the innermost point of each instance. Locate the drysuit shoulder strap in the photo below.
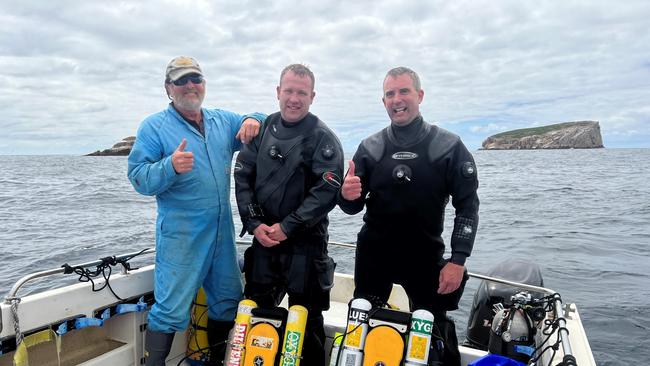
(375, 145)
(271, 119)
(441, 143)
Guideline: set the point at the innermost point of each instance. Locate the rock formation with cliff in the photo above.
(122, 148)
(568, 135)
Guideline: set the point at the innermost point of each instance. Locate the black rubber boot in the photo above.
(445, 328)
(218, 338)
(156, 347)
(313, 348)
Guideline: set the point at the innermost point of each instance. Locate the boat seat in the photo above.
(76, 347)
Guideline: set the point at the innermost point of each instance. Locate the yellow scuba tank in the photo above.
(235, 350)
(294, 336)
(198, 346)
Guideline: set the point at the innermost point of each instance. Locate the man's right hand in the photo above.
(262, 235)
(351, 189)
(182, 160)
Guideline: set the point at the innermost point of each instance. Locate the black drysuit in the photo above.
(407, 175)
(290, 174)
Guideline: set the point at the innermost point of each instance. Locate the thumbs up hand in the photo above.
(182, 160)
(351, 189)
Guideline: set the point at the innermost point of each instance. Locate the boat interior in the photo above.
(74, 325)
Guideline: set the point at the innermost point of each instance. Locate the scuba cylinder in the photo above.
(419, 340)
(336, 347)
(355, 334)
(294, 336)
(237, 339)
(198, 345)
(512, 334)
(489, 294)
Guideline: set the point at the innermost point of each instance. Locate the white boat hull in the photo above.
(120, 341)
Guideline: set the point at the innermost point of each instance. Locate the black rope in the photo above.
(195, 327)
(105, 268)
(200, 350)
(371, 312)
(551, 327)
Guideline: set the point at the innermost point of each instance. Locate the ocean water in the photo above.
(582, 215)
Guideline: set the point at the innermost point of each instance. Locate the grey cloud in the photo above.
(88, 72)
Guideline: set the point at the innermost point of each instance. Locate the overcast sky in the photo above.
(78, 76)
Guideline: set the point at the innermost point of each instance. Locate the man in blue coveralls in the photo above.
(182, 155)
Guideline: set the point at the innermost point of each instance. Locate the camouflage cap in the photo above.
(181, 66)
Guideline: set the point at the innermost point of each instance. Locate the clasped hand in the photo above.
(269, 236)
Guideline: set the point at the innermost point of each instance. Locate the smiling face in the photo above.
(400, 98)
(188, 97)
(295, 95)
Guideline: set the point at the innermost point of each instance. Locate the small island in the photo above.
(122, 148)
(567, 135)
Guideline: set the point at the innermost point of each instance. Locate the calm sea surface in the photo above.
(583, 215)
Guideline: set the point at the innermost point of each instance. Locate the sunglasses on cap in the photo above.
(195, 79)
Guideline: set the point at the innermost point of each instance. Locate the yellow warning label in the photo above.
(418, 349)
(353, 338)
(262, 342)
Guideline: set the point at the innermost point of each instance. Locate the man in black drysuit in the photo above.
(287, 180)
(404, 175)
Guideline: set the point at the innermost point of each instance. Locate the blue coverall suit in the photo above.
(195, 240)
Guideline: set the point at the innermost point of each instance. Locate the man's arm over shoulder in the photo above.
(150, 169)
(241, 126)
(326, 170)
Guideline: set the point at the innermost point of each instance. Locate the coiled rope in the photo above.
(14, 315)
(105, 268)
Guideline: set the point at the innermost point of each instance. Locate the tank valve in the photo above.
(274, 153)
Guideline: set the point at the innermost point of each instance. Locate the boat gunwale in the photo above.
(60, 270)
(557, 301)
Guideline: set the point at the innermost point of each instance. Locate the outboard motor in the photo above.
(489, 293)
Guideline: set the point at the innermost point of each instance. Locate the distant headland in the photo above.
(567, 135)
(122, 148)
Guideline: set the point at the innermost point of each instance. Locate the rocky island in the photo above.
(122, 148)
(567, 135)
